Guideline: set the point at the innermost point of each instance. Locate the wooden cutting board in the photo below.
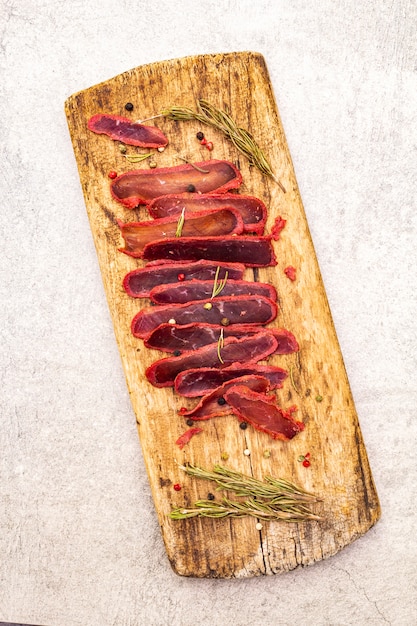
(339, 470)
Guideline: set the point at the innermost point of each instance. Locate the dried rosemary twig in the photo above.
(220, 345)
(219, 285)
(137, 158)
(274, 499)
(180, 224)
(208, 114)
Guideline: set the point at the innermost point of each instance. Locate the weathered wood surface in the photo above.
(339, 470)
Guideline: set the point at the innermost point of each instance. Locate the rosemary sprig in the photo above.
(274, 499)
(180, 223)
(220, 345)
(210, 115)
(196, 167)
(219, 285)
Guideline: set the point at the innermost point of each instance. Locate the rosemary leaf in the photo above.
(180, 224)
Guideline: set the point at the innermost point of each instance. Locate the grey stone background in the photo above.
(79, 539)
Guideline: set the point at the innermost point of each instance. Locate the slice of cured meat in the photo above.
(251, 251)
(138, 283)
(257, 409)
(203, 289)
(252, 210)
(202, 224)
(200, 381)
(141, 186)
(174, 337)
(229, 310)
(122, 129)
(214, 404)
(162, 373)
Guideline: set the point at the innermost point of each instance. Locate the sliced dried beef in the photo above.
(162, 373)
(203, 289)
(200, 381)
(214, 404)
(252, 210)
(174, 337)
(258, 410)
(141, 186)
(228, 310)
(138, 283)
(251, 251)
(124, 130)
(206, 224)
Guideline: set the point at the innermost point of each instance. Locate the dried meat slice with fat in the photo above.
(214, 404)
(124, 130)
(229, 310)
(203, 289)
(139, 282)
(200, 381)
(252, 210)
(174, 337)
(258, 410)
(141, 186)
(162, 373)
(252, 251)
(214, 223)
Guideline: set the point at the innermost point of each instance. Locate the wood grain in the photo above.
(339, 471)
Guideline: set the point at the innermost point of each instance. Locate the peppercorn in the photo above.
(177, 353)
(191, 188)
(177, 487)
(224, 321)
(181, 277)
(189, 422)
(210, 496)
(200, 136)
(112, 174)
(122, 148)
(243, 425)
(129, 106)
(221, 401)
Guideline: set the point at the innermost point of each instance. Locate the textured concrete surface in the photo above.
(79, 539)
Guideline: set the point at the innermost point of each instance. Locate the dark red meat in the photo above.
(204, 224)
(258, 410)
(251, 251)
(252, 210)
(229, 310)
(209, 406)
(202, 290)
(138, 283)
(162, 373)
(201, 381)
(141, 186)
(123, 129)
(173, 337)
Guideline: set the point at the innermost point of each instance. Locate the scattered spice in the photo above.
(224, 456)
(177, 487)
(181, 277)
(183, 409)
(246, 452)
(200, 136)
(305, 459)
(225, 321)
(172, 321)
(189, 422)
(266, 454)
(243, 425)
(161, 148)
(259, 526)
(122, 148)
(129, 106)
(112, 174)
(191, 188)
(177, 353)
(290, 272)
(221, 401)
(319, 398)
(152, 164)
(209, 145)
(210, 496)
(208, 306)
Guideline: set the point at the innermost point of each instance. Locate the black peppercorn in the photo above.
(243, 425)
(200, 136)
(191, 188)
(189, 422)
(210, 496)
(221, 401)
(129, 106)
(177, 353)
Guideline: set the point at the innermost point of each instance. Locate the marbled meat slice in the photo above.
(174, 337)
(139, 282)
(252, 210)
(251, 251)
(257, 409)
(229, 310)
(141, 186)
(209, 405)
(213, 223)
(203, 289)
(124, 130)
(162, 373)
(200, 381)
